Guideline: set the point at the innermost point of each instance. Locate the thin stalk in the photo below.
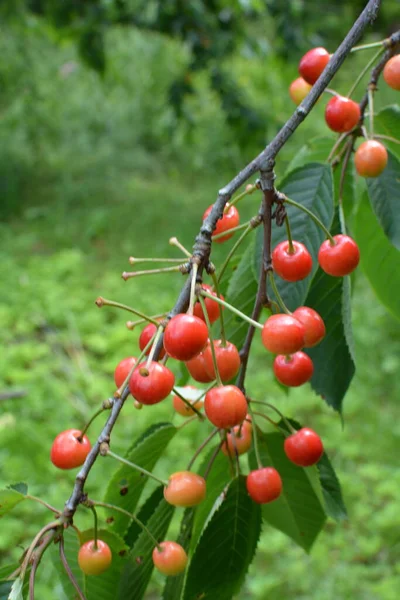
(277, 294)
(234, 248)
(134, 261)
(336, 145)
(33, 545)
(192, 298)
(119, 391)
(40, 501)
(88, 424)
(134, 466)
(104, 302)
(175, 242)
(368, 46)
(221, 312)
(212, 459)
(231, 308)
(233, 438)
(188, 403)
(289, 235)
(38, 557)
(386, 137)
(154, 346)
(229, 231)
(212, 347)
(201, 448)
(284, 419)
(224, 440)
(239, 197)
(190, 420)
(259, 414)
(92, 508)
(312, 216)
(128, 275)
(365, 70)
(132, 324)
(255, 437)
(371, 112)
(68, 571)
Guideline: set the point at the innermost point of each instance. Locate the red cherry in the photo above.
(342, 114)
(229, 220)
(185, 336)
(313, 323)
(122, 369)
(241, 442)
(304, 448)
(92, 560)
(313, 63)
(191, 393)
(154, 387)
(185, 489)
(293, 370)
(225, 406)
(391, 72)
(197, 369)
(340, 259)
(212, 307)
(370, 158)
(291, 266)
(228, 360)
(67, 452)
(147, 333)
(171, 559)
(264, 485)
(298, 90)
(283, 334)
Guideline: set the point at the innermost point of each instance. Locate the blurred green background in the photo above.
(97, 165)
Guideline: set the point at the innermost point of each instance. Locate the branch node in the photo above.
(104, 448)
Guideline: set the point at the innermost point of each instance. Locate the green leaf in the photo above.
(298, 512)
(16, 590)
(20, 487)
(387, 122)
(91, 48)
(379, 259)
(5, 589)
(127, 484)
(226, 547)
(174, 585)
(331, 490)
(241, 293)
(137, 571)
(8, 500)
(312, 187)
(384, 193)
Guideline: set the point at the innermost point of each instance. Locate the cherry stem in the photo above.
(255, 437)
(104, 302)
(348, 151)
(175, 242)
(277, 294)
(232, 309)
(210, 335)
(128, 275)
(120, 390)
(365, 70)
(371, 111)
(386, 137)
(284, 419)
(88, 424)
(274, 423)
(36, 561)
(189, 404)
(132, 324)
(221, 312)
(331, 92)
(336, 145)
(92, 508)
(34, 543)
(154, 345)
(212, 460)
(40, 501)
(224, 440)
(371, 45)
(201, 447)
(229, 231)
(192, 297)
(233, 438)
(68, 571)
(233, 250)
(134, 261)
(311, 215)
(239, 197)
(289, 235)
(130, 515)
(134, 466)
(185, 423)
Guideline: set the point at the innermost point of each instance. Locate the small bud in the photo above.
(138, 405)
(173, 241)
(99, 301)
(107, 404)
(104, 448)
(132, 260)
(250, 188)
(125, 276)
(130, 325)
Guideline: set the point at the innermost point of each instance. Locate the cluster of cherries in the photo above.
(343, 114)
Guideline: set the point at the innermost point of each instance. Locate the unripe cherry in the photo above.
(92, 560)
(147, 333)
(283, 334)
(293, 370)
(304, 448)
(391, 72)
(185, 336)
(342, 114)
(212, 307)
(313, 323)
(238, 439)
(291, 265)
(122, 370)
(341, 258)
(67, 452)
(264, 485)
(170, 559)
(298, 90)
(229, 220)
(313, 63)
(190, 393)
(228, 360)
(225, 406)
(154, 387)
(370, 158)
(185, 489)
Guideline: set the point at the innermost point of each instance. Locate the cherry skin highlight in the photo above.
(291, 266)
(212, 307)
(298, 90)
(283, 334)
(370, 158)
(185, 337)
(228, 360)
(183, 409)
(229, 220)
(313, 63)
(197, 369)
(264, 485)
(313, 323)
(147, 333)
(293, 370)
(342, 114)
(171, 559)
(122, 370)
(304, 448)
(238, 439)
(154, 387)
(225, 406)
(391, 72)
(342, 258)
(92, 560)
(67, 452)
(185, 489)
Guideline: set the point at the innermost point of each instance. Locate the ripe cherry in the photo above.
(197, 369)
(185, 336)
(191, 394)
(304, 448)
(342, 114)
(170, 559)
(92, 560)
(298, 90)
(185, 489)
(264, 485)
(67, 452)
(291, 265)
(293, 370)
(339, 259)
(241, 442)
(229, 220)
(154, 387)
(283, 334)
(147, 333)
(313, 63)
(225, 406)
(391, 72)
(370, 158)
(212, 307)
(122, 370)
(313, 323)
(228, 360)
